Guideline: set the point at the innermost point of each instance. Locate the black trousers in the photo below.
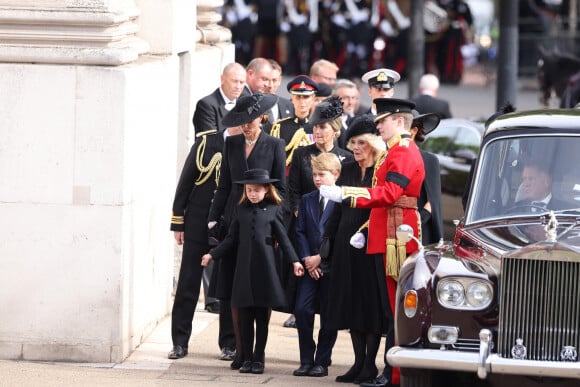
(187, 295)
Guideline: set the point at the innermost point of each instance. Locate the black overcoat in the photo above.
(357, 294)
(268, 154)
(251, 239)
(431, 223)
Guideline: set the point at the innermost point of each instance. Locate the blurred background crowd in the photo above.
(360, 35)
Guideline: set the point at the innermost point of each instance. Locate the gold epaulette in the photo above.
(205, 133)
(380, 159)
(205, 171)
(275, 129)
(298, 139)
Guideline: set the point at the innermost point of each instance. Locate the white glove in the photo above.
(331, 192)
(211, 224)
(297, 19)
(358, 240)
(387, 29)
(339, 20)
(285, 27)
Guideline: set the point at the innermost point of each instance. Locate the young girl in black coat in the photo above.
(256, 288)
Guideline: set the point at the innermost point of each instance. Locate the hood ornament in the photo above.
(568, 353)
(519, 350)
(551, 228)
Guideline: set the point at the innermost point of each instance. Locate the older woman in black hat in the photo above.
(250, 150)
(358, 294)
(429, 203)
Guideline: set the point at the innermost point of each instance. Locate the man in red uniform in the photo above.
(393, 199)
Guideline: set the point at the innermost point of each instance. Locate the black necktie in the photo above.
(320, 207)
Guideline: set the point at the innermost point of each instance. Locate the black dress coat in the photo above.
(300, 176)
(427, 104)
(357, 292)
(209, 112)
(251, 239)
(285, 110)
(268, 154)
(431, 222)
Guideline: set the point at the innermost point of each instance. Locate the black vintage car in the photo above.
(502, 300)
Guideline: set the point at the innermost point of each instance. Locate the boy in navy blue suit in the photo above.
(313, 215)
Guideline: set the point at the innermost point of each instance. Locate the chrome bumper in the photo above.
(483, 363)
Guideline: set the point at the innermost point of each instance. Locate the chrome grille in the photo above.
(539, 303)
(466, 345)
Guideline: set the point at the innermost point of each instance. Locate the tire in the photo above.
(415, 377)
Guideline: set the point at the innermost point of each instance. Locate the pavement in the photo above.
(148, 365)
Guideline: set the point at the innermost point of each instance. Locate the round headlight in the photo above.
(450, 293)
(479, 294)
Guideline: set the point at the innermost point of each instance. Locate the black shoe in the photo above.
(246, 367)
(303, 370)
(236, 364)
(366, 375)
(381, 381)
(350, 375)
(290, 322)
(257, 367)
(214, 307)
(177, 352)
(318, 371)
(227, 354)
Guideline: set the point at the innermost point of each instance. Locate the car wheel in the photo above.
(414, 377)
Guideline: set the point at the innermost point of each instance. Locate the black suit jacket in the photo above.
(427, 104)
(431, 223)
(300, 175)
(285, 110)
(209, 112)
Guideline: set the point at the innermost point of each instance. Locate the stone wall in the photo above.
(94, 127)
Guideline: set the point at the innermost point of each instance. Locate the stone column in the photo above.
(97, 32)
(208, 30)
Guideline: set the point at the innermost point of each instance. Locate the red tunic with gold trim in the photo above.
(397, 183)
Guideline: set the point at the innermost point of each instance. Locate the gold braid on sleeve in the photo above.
(298, 139)
(275, 130)
(212, 167)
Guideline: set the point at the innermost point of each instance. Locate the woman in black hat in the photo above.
(256, 228)
(250, 150)
(357, 292)
(429, 203)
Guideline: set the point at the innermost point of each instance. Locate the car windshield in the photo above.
(526, 176)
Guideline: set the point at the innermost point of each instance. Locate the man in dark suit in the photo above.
(536, 188)
(284, 107)
(349, 95)
(210, 110)
(427, 100)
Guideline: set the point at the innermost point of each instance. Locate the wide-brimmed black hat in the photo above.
(425, 122)
(388, 106)
(327, 110)
(256, 176)
(249, 108)
(361, 125)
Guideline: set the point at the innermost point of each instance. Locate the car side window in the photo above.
(440, 141)
(467, 139)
